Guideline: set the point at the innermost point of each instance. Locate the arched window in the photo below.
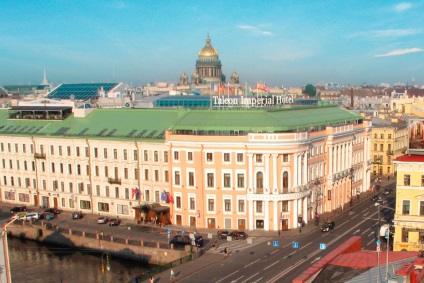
(259, 180)
(285, 181)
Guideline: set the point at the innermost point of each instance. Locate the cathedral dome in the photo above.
(208, 50)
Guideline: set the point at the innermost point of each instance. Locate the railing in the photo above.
(39, 155)
(114, 181)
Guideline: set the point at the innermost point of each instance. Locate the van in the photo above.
(383, 229)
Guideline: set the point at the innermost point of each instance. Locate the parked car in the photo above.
(77, 215)
(52, 210)
(238, 235)
(387, 191)
(328, 226)
(180, 241)
(198, 241)
(114, 222)
(31, 216)
(374, 198)
(16, 209)
(47, 215)
(101, 220)
(223, 234)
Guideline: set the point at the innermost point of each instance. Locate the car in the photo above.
(77, 215)
(375, 198)
(223, 234)
(16, 209)
(31, 216)
(198, 241)
(180, 241)
(114, 222)
(47, 215)
(52, 210)
(102, 220)
(328, 226)
(387, 191)
(238, 235)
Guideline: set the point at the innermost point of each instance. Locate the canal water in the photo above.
(34, 262)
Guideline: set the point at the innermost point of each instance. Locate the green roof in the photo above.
(152, 123)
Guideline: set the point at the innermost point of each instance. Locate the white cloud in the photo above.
(400, 52)
(256, 30)
(402, 7)
(386, 33)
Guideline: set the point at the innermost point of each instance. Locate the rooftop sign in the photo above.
(258, 101)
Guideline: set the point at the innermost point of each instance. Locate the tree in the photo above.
(310, 90)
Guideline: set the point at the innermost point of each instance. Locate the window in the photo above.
(405, 207)
(259, 180)
(190, 156)
(422, 180)
(165, 156)
(192, 203)
(69, 168)
(85, 204)
(210, 179)
(226, 157)
(52, 150)
(240, 180)
(381, 147)
(375, 147)
(125, 154)
(157, 196)
(407, 180)
(96, 170)
(389, 136)
(106, 171)
(259, 206)
(146, 174)
(78, 169)
(146, 155)
(156, 175)
(116, 192)
(209, 157)
(177, 178)
(127, 193)
(115, 153)
(135, 155)
(155, 156)
(241, 205)
(285, 181)
(176, 155)
(375, 136)
(105, 153)
(191, 179)
(107, 191)
(53, 171)
(178, 202)
(78, 151)
(227, 205)
(421, 208)
(126, 173)
(240, 157)
(23, 148)
(96, 152)
(211, 205)
(258, 157)
(285, 157)
(68, 150)
(98, 190)
(227, 180)
(87, 152)
(404, 235)
(285, 206)
(381, 136)
(71, 187)
(166, 176)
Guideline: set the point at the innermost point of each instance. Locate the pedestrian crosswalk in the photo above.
(237, 246)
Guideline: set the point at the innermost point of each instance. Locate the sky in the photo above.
(279, 42)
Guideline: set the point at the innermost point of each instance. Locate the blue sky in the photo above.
(288, 43)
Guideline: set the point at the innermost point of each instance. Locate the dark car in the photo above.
(16, 209)
(180, 241)
(198, 241)
(77, 215)
(114, 222)
(387, 191)
(223, 234)
(328, 226)
(238, 235)
(52, 210)
(375, 198)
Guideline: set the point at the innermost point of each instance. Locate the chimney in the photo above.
(351, 98)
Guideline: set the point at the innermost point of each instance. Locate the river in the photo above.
(37, 263)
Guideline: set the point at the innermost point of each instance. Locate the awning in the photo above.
(156, 207)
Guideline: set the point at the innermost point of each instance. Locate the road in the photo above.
(265, 262)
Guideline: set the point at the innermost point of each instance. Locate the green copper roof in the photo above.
(151, 123)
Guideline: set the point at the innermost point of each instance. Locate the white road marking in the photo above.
(247, 280)
(257, 280)
(227, 276)
(305, 245)
(251, 263)
(272, 264)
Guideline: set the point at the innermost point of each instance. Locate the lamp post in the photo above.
(351, 184)
(107, 257)
(388, 239)
(6, 249)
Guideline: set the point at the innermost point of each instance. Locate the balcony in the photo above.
(114, 181)
(389, 152)
(39, 155)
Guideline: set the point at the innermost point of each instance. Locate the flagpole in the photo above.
(210, 95)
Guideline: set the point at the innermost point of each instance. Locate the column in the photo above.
(330, 161)
(305, 168)
(251, 208)
(294, 178)
(276, 216)
(250, 160)
(294, 215)
(266, 220)
(266, 173)
(274, 172)
(305, 210)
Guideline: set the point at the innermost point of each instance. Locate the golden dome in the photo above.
(208, 50)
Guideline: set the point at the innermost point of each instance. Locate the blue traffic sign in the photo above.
(322, 246)
(295, 245)
(275, 243)
(169, 230)
(378, 242)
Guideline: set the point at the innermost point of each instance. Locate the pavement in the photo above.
(210, 258)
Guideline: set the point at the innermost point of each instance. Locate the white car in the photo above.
(102, 220)
(30, 216)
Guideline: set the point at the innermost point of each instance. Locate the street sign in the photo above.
(275, 243)
(322, 246)
(378, 248)
(378, 242)
(169, 230)
(295, 245)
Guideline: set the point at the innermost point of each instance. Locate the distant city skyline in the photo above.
(288, 43)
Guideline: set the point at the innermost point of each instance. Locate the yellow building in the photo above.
(409, 214)
(389, 141)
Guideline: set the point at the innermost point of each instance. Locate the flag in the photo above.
(137, 193)
(262, 87)
(231, 89)
(214, 87)
(164, 196)
(221, 88)
(170, 198)
(132, 192)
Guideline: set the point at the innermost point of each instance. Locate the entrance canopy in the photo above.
(156, 207)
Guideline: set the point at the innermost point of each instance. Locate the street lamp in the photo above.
(6, 249)
(388, 239)
(107, 257)
(351, 184)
